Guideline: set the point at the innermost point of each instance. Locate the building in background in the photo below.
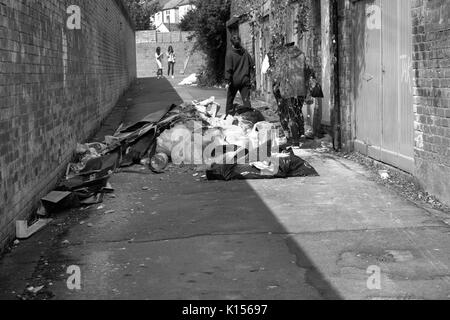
(173, 12)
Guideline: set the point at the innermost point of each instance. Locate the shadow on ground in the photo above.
(177, 236)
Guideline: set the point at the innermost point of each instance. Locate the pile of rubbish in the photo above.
(191, 80)
(240, 146)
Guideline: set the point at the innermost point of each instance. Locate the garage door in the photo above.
(384, 107)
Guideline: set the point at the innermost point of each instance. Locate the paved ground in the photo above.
(183, 238)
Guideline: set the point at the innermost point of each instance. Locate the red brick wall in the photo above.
(431, 65)
(56, 86)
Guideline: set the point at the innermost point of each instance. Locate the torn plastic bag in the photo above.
(192, 79)
(170, 138)
(293, 166)
(235, 135)
(228, 172)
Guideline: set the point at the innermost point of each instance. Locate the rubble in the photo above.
(190, 80)
(188, 134)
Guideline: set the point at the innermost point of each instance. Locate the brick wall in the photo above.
(431, 65)
(56, 86)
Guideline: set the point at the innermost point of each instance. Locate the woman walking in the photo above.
(171, 60)
(158, 57)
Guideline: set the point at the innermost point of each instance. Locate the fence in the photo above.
(157, 37)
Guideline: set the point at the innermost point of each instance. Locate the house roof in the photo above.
(185, 2)
(171, 27)
(163, 2)
(172, 4)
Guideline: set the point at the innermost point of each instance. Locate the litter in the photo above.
(159, 162)
(108, 188)
(23, 231)
(35, 290)
(286, 166)
(192, 79)
(96, 199)
(384, 174)
(57, 200)
(188, 134)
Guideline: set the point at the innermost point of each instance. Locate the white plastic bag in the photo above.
(265, 65)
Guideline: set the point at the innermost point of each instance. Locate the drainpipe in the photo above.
(336, 125)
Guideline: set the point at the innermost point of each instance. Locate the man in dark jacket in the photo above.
(238, 69)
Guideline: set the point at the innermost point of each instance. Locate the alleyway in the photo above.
(175, 236)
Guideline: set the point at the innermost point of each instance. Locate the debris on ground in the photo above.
(384, 174)
(241, 145)
(25, 231)
(190, 80)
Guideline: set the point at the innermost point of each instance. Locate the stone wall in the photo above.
(56, 86)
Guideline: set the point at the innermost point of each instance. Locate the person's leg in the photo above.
(284, 116)
(231, 95)
(282, 110)
(246, 98)
(169, 65)
(298, 112)
(293, 123)
(173, 69)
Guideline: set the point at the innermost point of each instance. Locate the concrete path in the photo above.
(173, 236)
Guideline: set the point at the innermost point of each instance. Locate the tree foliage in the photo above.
(141, 11)
(208, 23)
(188, 21)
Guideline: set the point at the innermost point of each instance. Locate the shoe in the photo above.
(173, 77)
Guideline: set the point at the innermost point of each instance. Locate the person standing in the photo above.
(171, 61)
(290, 87)
(238, 69)
(159, 56)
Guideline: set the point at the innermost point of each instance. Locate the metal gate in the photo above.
(384, 105)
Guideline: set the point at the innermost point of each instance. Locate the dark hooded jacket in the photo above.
(291, 74)
(238, 67)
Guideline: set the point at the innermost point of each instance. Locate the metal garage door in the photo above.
(384, 107)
